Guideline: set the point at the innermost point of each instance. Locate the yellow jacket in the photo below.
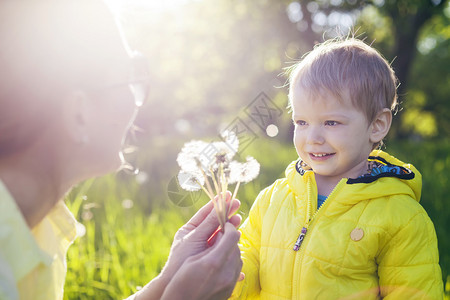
(371, 239)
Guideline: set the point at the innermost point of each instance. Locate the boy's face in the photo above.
(331, 136)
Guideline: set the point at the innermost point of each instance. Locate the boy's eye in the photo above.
(331, 123)
(300, 122)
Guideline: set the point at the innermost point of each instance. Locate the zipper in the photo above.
(309, 203)
(305, 238)
(309, 218)
(309, 215)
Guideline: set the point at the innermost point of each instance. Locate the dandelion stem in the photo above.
(216, 209)
(205, 190)
(236, 188)
(211, 197)
(210, 190)
(224, 183)
(210, 193)
(221, 192)
(208, 185)
(213, 177)
(217, 204)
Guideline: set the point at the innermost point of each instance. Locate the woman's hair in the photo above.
(347, 68)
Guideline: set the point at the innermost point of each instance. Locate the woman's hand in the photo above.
(196, 268)
(191, 238)
(211, 274)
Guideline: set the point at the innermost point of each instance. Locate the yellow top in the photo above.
(33, 262)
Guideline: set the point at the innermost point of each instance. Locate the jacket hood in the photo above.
(389, 177)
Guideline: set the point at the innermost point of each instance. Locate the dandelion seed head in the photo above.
(224, 149)
(190, 182)
(221, 158)
(252, 168)
(197, 156)
(199, 161)
(227, 172)
(191, 156)
(244, 172)
(231, 140)
(222, 155)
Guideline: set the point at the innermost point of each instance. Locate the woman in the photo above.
(69, 90)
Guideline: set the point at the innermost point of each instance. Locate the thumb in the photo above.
(206, 228)
(227, 243)
(210, 223)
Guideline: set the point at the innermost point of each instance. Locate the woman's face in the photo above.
(113, 100)
(115, 111)
(66, 85)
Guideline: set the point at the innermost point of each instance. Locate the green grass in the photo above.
(124, 248)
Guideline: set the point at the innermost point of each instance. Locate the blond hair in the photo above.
(347, 68)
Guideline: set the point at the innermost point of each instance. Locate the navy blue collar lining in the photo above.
(406, 173)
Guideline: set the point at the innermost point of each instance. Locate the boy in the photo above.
(345, 223)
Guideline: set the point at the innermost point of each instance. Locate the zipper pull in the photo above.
(300, 238)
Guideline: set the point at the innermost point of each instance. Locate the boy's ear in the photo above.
(380, 125)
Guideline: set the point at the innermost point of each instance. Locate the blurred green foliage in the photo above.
(209, 60)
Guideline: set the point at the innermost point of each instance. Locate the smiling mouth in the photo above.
(320, 155)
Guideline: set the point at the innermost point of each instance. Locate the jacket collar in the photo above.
(385, 183)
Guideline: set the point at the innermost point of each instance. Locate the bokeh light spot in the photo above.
(272, 130)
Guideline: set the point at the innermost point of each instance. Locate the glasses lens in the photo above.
(139, 91)
(139, 79)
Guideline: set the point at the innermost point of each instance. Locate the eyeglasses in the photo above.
(138, 81)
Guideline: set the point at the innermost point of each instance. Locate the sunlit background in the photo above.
(210, 58)
(209, 61)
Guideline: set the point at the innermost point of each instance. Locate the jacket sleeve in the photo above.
(408, 265)
(250, 244)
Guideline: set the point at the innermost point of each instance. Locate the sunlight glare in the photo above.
(149, 5)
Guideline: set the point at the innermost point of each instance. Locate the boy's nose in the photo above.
(315, 135)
